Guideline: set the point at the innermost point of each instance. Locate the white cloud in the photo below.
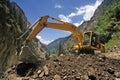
(58, 6)
(72, 14)
(39, 37)
(78, 23)
(90, 9)
(64, 18)
(43, 41)
(68, 17)
(87, 11)
(77, 13)
(47, 42)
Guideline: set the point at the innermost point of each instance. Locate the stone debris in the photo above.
(41, 74)
(57, 77)
(117, 74)
(75, 67)
(39, 71)
(46, 70)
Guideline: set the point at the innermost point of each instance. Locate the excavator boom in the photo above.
(60, 25)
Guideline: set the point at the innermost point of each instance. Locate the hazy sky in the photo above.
(73, 11)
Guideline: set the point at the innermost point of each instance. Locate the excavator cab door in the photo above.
(94, 40)
(91, 39)
(87, 39)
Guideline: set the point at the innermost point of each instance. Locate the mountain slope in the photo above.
(107, 24)
(54, 47)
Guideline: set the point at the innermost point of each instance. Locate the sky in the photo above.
(72, 11)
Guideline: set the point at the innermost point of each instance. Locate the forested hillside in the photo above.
(107, 24)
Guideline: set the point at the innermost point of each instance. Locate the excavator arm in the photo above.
(60, 25)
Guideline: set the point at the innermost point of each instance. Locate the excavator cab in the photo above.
(91, 41)
(91, 44)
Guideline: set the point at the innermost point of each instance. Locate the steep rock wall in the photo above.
(12, 24)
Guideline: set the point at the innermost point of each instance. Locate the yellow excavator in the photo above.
(86, 41)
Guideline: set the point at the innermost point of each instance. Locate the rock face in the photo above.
(12, 24)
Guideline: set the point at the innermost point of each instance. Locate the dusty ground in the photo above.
(105, 66)
(113, 53)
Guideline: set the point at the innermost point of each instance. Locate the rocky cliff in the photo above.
(12, 24)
